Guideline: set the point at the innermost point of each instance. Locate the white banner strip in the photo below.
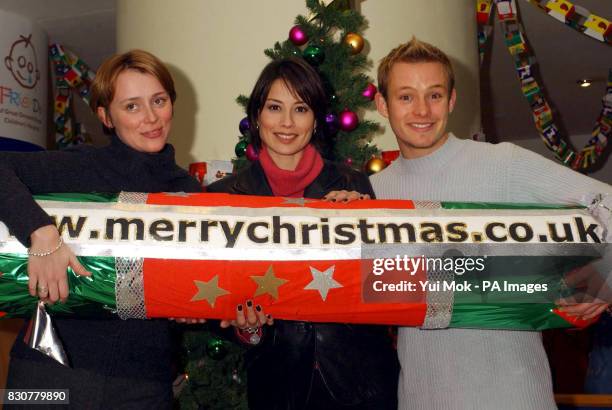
(242, 233)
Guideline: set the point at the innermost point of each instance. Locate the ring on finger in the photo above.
(42, 289)
(254, 334)
(249, 329)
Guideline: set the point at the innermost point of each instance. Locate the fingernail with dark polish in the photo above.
(269, 316)
(239, 308)
(258, 308)
(249, 303)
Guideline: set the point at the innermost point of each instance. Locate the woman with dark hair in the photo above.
(299, 365)
(115, 363)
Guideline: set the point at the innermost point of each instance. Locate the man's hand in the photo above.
(584, 311)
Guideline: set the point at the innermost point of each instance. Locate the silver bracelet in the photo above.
(47, 253)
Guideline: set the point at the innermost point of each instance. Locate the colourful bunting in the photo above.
(71, 73)
(514, 37)
(578, 18)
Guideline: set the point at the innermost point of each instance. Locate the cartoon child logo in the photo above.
(22, 63)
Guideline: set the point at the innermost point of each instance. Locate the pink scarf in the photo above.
(292, 183)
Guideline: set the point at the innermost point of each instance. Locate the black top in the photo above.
(113, 168)
(333, 177)
(357, 363)
(113, 347)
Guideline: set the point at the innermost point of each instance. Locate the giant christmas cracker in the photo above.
(199, 255)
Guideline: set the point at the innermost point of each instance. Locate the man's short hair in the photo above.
(414, 51)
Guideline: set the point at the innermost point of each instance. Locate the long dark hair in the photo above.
(301, 79)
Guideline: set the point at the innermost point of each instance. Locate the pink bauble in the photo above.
(369, 92)
(297, 36)
(348, 121)
(349, 161)
(251, 153)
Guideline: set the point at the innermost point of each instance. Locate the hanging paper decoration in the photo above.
(71, 73)
(483, 16)
(514, 35)
(199, 255)
(578, 18)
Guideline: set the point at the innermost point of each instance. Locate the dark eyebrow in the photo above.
(300, 102)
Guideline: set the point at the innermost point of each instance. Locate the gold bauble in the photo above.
(355, 42)
(375, 165)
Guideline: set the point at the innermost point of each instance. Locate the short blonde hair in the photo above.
(414, 51)
(103, 87)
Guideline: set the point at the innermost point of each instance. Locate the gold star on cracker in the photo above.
(268, 283)
(209, 291)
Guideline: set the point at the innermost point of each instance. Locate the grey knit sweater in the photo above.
(467, 368)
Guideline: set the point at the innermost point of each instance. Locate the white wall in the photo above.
(449, 25)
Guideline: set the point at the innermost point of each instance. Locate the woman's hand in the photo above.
(249, 327)
(344, 196)
(252, 319)
(47, 274)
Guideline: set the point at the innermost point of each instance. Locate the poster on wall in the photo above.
(23, 84)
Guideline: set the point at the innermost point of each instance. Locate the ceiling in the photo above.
(87, 27)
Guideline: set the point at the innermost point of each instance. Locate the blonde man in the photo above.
(464, 368)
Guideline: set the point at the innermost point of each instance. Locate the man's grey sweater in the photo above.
(467, 368)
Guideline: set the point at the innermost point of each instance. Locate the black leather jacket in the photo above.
(357, 363)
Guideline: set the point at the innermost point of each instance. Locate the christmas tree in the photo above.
(331, 41)
(214, 376)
